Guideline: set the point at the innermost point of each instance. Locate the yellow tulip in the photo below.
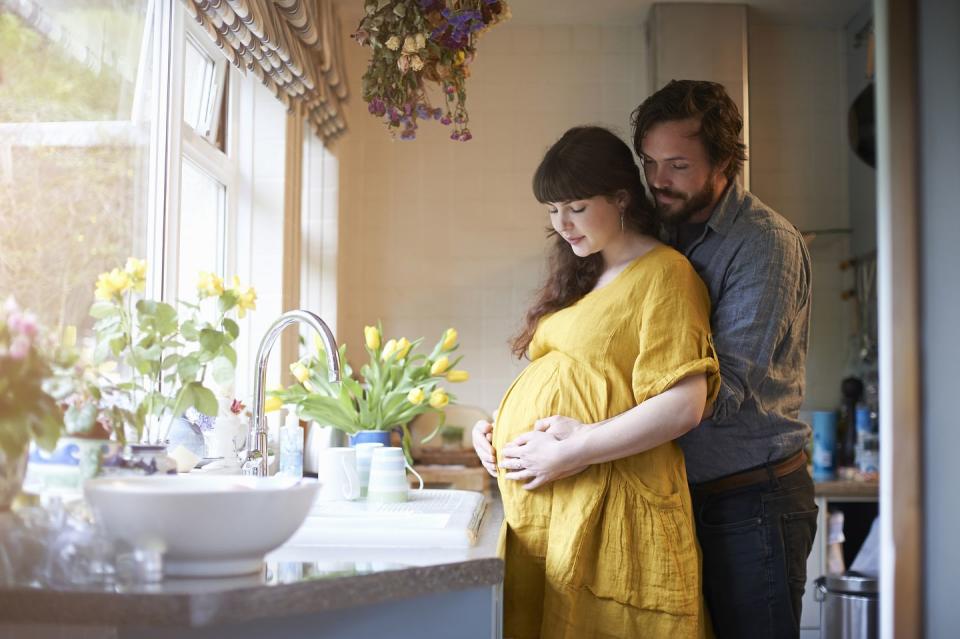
(209, 284)
(439, 398)
(300, 372)
(449, 339)
(440, 366)
(458, 376)
(416, 396)
(389, 349)
(403, 347)
(272, 404)
(372, 336)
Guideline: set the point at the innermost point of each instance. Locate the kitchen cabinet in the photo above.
(827, 495)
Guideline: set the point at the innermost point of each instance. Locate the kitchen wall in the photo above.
(436, 233)
(798, 160)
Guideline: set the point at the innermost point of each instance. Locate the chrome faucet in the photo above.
(257, 458)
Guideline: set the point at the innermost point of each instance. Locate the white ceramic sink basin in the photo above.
(208, 525)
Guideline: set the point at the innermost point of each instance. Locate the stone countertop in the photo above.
(295, 580)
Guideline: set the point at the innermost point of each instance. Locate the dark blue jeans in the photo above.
(755, 543)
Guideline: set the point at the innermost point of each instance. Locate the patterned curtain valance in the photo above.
(293, 46)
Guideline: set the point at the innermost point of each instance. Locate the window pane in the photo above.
(202, 215)
(198, 88)
(75, 113)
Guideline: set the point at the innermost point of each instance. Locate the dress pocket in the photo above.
(637, 554)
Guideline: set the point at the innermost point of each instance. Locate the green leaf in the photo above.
(231, 327)
(189, 330)
(80, 419)
(228, 352)
(99, 310)
(223, 371)
(117, 344)
(158, 317)
(226, 301)
(187, 368)
(204, 400)
(170, 361)
(211, 340)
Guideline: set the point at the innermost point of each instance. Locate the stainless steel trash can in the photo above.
(849, 607)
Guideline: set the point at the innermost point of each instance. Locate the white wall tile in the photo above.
(437, 233)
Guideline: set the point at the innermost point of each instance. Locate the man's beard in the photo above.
(691, 204)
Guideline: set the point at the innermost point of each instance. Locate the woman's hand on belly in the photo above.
(540, 457)
(482, 444)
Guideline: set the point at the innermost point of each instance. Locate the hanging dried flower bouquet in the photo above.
(416, 41)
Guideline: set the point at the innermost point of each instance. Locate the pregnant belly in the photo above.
(556, 384)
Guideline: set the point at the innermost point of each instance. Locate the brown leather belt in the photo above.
(753, 476)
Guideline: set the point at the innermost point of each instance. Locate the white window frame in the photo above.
(182, 142)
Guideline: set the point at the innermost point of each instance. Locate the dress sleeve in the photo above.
(674, 334)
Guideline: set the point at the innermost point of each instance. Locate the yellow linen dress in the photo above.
(612, 551)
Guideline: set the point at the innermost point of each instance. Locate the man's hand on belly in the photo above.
(559, 426)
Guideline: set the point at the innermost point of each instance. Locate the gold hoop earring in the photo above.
(621, 222)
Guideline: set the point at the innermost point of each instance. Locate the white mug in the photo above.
(364, 456)
(338, 475)
(388, 477)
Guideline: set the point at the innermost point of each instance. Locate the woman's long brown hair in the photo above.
(587, 161)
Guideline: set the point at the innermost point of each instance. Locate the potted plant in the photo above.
(397, 385)
(149, 363)
(27, 412)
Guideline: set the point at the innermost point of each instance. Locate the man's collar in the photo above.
(725, 212)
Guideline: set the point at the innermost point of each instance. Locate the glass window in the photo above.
(75, 115)
(203, 89)
(201, 228)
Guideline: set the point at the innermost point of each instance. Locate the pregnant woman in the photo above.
(622, 325)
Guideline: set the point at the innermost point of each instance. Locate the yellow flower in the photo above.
(458, 376)
(372, 336)
(137, 269)
(300, 372)
(449, 339)
(439, 398)
(416, 396)
(389, 349)
(403, 347)
(272, 404)
(209, 284)
(459, 58)
(440, 366)
(69, 336)
(246, 300)
(112, 284)
(393, 43)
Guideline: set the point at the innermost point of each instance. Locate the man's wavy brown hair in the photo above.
(587, 161)
(708, 102)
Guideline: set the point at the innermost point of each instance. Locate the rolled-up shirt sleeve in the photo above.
(763, 294)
